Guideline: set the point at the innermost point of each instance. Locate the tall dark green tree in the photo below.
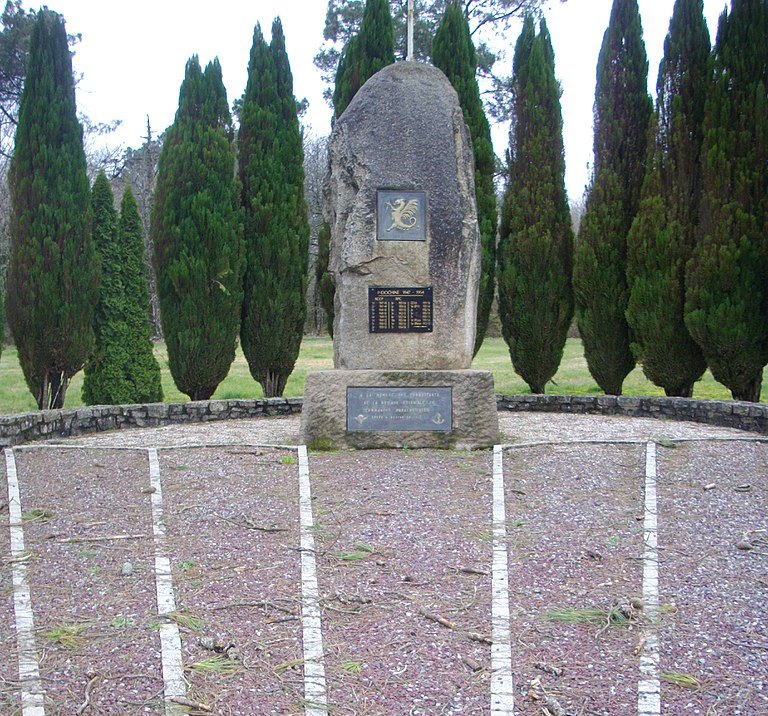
(53, 274)
(454, 53)
(621, 115)
(123, 368)
(364, 54)
(325, 283)
(344, 17)
(726, 306)
(276, 229)
(536, 239)
(197, 235)
(662, 236)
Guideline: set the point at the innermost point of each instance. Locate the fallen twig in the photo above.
(250, 525)
(261, 603)
(106, 538)
(478, 637)
(473, 570)
(442, 621)
(88, 688)
(471, 663)
(197, 705)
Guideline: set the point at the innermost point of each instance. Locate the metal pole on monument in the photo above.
(409, 55)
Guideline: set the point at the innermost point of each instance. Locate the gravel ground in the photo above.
(236, 576)
(91, 621)
(403, 546)
(404, 541)
(575, 539)
(715, 629)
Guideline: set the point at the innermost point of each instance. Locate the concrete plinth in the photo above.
(399, 408)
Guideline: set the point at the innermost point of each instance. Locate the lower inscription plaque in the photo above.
(428, 408)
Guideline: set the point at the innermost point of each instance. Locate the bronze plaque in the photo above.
(400, 310)
(401, 215)
(427, 408)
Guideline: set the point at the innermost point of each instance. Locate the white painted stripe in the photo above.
(32, 693)
(649, 688)
(502, 687)
(315, 693)
(170, 640)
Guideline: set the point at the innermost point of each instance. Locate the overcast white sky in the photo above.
(133, 53)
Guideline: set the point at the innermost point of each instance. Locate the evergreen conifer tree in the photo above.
(536, 239)
(53, 275)
(365, 54)
(271, 165)
(662, 236)
(454, 53)
(726, 307)
(621, 115)
(197, 235)
(324, 281)
(123, 368)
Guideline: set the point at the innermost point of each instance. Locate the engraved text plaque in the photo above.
(400, 310)
(409, 409)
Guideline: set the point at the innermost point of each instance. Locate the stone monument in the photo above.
(405, 258)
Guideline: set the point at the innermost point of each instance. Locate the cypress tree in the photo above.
(271, 165)
(621, 115)
(103, 373)
(726, 307)
(323, 275)
(536, 239)
(365, 54)
(662, 236)
(454, 53)
(197, 235)
(53, 275)
(123, 368)
(143, 370)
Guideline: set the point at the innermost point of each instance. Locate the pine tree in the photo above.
(454, 53)
(197, 235)
(662, 236)
(53, 275)
(271, 158)
(365, 54)
(536, 239)
(726, 308)
(621, 115)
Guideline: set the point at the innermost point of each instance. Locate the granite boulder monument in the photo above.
(405, 260)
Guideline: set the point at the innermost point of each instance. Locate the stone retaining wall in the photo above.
(49, 424)
(724, 413)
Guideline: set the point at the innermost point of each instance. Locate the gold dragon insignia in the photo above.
(404, 214)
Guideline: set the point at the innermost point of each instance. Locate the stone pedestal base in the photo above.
(399, 408)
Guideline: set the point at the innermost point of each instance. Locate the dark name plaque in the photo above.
(400, 310)
(410, 409)
(401, 215)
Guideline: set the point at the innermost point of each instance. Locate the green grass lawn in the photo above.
(317, 354)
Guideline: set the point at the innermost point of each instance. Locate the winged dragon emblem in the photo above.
(404, 214)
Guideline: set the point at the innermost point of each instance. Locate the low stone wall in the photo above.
(49, 424)
(724, 413)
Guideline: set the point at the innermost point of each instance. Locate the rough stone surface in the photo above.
(404, 130)
(324, 418)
